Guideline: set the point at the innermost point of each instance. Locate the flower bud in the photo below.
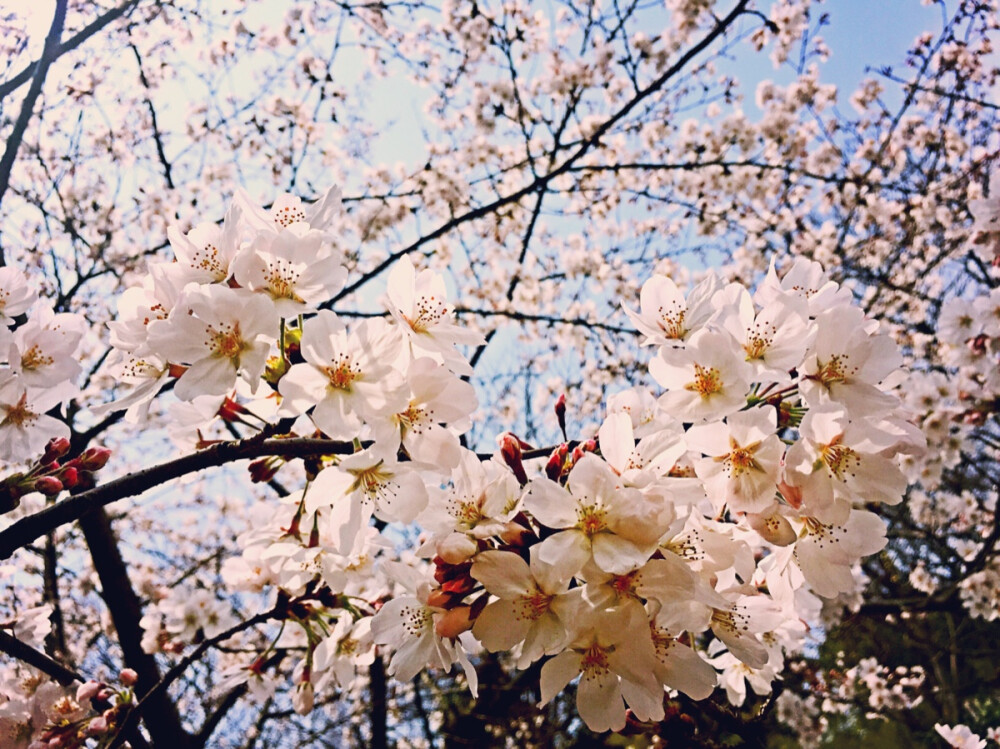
(454, 622)
(456, 548)
(304, 698)
(510, 451)
(56, 448)
(98, 725)
(50, 486)
(128, 677)
(94, 458)
(557, 461)
(87, 690)
(560, 409)
(69, 477)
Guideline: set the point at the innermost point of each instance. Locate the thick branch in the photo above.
(49, 54)
(27, 529)
(15, 82)
(24, 652)
(147, 705)
(123, 604)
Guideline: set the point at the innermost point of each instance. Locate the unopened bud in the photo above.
(304, 698)
(456, 548)
(50, 486)
(97, 725)
(69, 477)
(87, 691)
(128, 677)
(454, 622)
(56, 448)
(557, 461)
(94, 458)
(560, 409)
(510, 451)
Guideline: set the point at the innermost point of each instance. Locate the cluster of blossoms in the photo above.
(38, 373)
(38, 713)
(682, 548)
(957, 403)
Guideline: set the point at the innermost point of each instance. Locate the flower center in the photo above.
(672, 322)
(533, 606)
(840, 459)
(429, 310)
(707, 381)
(19, 414)
(343, 373)
(33, 358)
(591, 519)
(594, 662)
(227, 342)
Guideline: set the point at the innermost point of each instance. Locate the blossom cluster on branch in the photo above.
(691, 536)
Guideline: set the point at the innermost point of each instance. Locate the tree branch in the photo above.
(24, 652)
(542, 182)
(49, 54)
(159, 690)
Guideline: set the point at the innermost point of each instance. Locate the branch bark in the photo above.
(49, 55)
(162, 719)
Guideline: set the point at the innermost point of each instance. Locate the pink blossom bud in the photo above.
(128, 677)
(69, 477)
(94, 458)
(87, 690)
(55, 449)
(510, 451)
(456, 548)
(454, 622)
(560, 409)
(557, 461)
(98, 725)
(50, 486)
